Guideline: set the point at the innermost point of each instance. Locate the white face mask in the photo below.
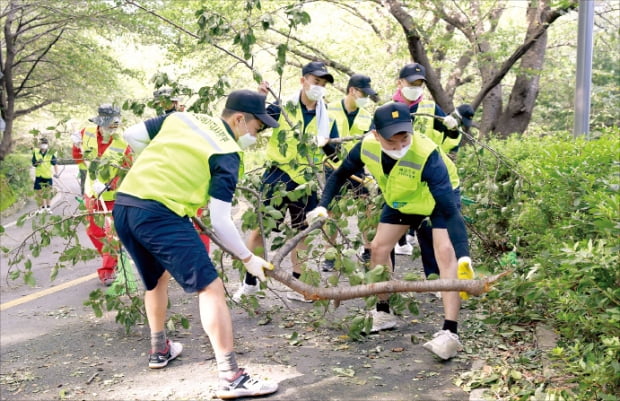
(361, 102)
(396, 154)
(246, 140)
(315, 92)
(107, 133)
(44, 147)
(412, 92)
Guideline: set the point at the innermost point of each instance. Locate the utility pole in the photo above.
(584, 69)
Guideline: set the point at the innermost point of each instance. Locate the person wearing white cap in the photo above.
(101, 154)
(414, 182)
(186, 161)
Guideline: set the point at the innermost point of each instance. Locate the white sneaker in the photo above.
(158, 360)
(244, 386)
(247, 290)
(295, 296)
(445, 344)
(383, 321)
(465, 272)
(412, 239)
(406, 249)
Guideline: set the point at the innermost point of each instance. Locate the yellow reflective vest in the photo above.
(44, 169)
(403, 189)
(113, 155)
(361, 124)
(283, 145)
(424, 125)
(174, 171)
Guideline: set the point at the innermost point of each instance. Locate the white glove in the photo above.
(255, 266)
(320, 141)
(450, 122)
(99, 187)
(315, 213)
(76, 138)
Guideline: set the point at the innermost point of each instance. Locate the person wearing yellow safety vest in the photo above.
(410, 91)
(44, 161)
(352, 120)
(305, 108)
(448, 142)
(191, 160)
(414, 181)
(101, 153)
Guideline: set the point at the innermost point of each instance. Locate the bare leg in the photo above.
(386, 238)
(156, 304)
(215, 317)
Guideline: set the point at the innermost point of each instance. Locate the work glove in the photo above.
(315, 214)
(450, 122)
(320, 141)
(465, 272)
(76, 138)
(255, 266)
(99, 187)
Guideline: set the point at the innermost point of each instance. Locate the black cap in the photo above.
(361, 82)
(466, 113)
(392, 118)
(252, 102)
(318, 69)
(412, 72)
(43, 140)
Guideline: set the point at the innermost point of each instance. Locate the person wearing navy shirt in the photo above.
(415, 183)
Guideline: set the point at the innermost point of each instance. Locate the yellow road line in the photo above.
(36, 295)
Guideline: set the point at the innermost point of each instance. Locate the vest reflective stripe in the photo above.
(403, 189)
(114, 154)
(291, 162)
(174, 168)
(44, 169)
(424, 125)
(361, 124)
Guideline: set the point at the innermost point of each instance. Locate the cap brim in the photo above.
(369, 91)
(466, 121)
(391, 130)
(323, 74)
(267, 120)
(415, 77)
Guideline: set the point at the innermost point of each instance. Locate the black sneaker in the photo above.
(328, 266)
(244, 386)
(366, 256)
(158, 360)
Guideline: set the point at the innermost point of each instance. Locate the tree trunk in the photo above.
(518, 113)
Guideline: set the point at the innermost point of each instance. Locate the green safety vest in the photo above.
(424, 125)
(291, 162)
(115, 154)
(403, 189)
(361, 124)
(44, 169)
(157, 173)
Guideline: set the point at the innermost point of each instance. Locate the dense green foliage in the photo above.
(15, 179)
(556, 203)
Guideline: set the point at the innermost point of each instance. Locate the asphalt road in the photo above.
(53, 347)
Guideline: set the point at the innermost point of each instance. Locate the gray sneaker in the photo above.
(158, 360)
(244, 386)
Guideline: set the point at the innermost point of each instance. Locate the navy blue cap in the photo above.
(412, 72)
(466, 113)
(252, 102)
(392, 118)
(361, 82)
(318, 69)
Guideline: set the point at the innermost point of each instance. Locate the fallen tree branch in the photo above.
(473, 287)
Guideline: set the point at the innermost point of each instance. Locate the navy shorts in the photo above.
(393, 216)
(40, 183)
(157, 240)
(274, 179)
